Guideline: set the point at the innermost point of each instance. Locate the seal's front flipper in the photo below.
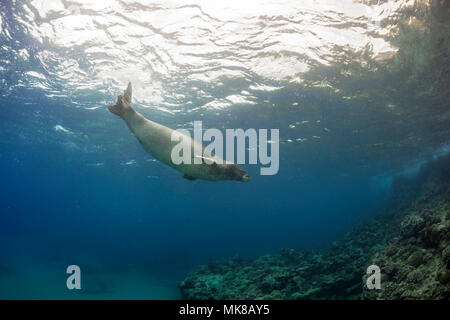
(123, 103)
(188, 177)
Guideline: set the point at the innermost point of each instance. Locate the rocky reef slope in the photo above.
(416, 263)
(410, 242)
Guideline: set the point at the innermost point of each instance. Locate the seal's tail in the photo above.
(123, 103)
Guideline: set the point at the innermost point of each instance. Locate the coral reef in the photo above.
(410, 242)
(417, 263)
(334, 273)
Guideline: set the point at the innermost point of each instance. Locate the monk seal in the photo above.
(156, 139)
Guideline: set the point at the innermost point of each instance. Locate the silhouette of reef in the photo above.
(410, 242)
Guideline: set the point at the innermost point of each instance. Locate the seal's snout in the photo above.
(245, 178)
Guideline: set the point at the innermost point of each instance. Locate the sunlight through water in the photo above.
(339, 68)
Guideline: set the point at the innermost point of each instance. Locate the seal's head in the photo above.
(225, 171)
(235, 172)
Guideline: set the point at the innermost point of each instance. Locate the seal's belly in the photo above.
(159, 145)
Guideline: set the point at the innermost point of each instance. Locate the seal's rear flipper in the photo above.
(127, 93)
(123, 102)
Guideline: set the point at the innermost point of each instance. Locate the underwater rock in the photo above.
(391, 250)
(268, 284)
(391, 270)
(409, 242)
(411, 225)
(415, 259)
(444, 277)
(432, 235)
(415, 276)
(446, 256)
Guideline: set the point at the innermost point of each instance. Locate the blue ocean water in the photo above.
(77, 188)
